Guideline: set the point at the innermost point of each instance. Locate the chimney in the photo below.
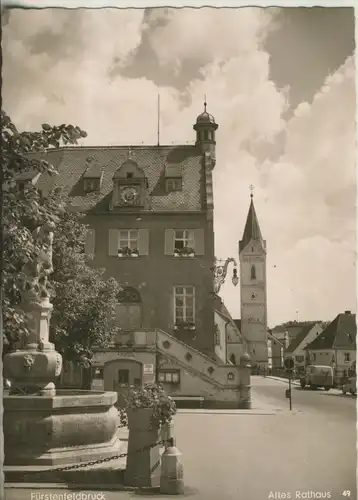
(347, 312)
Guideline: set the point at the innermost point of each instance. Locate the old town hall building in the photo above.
(150, 215)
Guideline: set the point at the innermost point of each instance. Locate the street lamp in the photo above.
(220, 272)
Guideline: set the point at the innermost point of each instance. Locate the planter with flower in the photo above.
(128, 252)
(148, 410)
(184, 252)
(184, 325)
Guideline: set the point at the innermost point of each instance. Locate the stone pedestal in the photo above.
(143, 468)
(73, 426)
(33, 368)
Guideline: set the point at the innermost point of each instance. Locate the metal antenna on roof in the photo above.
(158, 119)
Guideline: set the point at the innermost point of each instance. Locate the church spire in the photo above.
(252, 229)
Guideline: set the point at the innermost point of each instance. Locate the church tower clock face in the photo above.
(129, 195)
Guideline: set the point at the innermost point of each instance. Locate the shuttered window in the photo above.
(90, 242)
(134, 239)
(179, 239)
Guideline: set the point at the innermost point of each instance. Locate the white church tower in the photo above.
(252, 255)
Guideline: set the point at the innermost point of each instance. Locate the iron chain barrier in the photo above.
(94, 462)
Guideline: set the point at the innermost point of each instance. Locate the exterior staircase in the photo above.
(217, 383)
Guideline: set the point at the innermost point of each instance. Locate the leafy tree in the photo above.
(83, 301)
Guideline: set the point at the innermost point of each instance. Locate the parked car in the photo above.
(317, 376)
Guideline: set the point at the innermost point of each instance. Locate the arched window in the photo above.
(206, 135)
(129, 309)
(253, 272)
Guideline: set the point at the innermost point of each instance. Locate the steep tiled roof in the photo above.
(270, 336)
(299, 337)
(73, 162)
(339, 334)
(252, 228)
(238, 324)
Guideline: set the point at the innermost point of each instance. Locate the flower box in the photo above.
(127, 252)
(184, 252)
(184, 326)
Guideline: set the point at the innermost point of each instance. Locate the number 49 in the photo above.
(346, 493)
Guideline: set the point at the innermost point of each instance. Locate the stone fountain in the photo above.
(44, 426)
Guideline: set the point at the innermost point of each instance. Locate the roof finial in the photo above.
(252, 191)
(205, 103)
(129, 153)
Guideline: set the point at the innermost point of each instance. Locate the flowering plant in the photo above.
(186, 251)
(128, 252)
(152, 396)
(184, 325)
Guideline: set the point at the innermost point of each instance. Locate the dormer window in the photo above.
(129, 175)
(174, 184)
(91, 185)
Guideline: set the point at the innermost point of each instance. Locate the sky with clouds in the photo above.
(281, 85)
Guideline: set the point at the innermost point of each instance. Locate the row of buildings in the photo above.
(315, 342)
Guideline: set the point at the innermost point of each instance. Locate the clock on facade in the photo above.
(129, 194)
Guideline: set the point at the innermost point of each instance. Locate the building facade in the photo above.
(149, 211)
(276, 351)
(335, 345)
(253, 289)
(296, 348)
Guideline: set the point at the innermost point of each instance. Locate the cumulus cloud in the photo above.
(305, 199)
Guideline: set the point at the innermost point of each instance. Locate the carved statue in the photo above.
(37, 271)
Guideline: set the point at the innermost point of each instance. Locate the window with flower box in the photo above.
(128, 242)
(184, 307)
(184, 242)
(169, 376)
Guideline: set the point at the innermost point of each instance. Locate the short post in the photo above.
(172, 472)
(245, 386)
(290, 389)
(289, 365)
